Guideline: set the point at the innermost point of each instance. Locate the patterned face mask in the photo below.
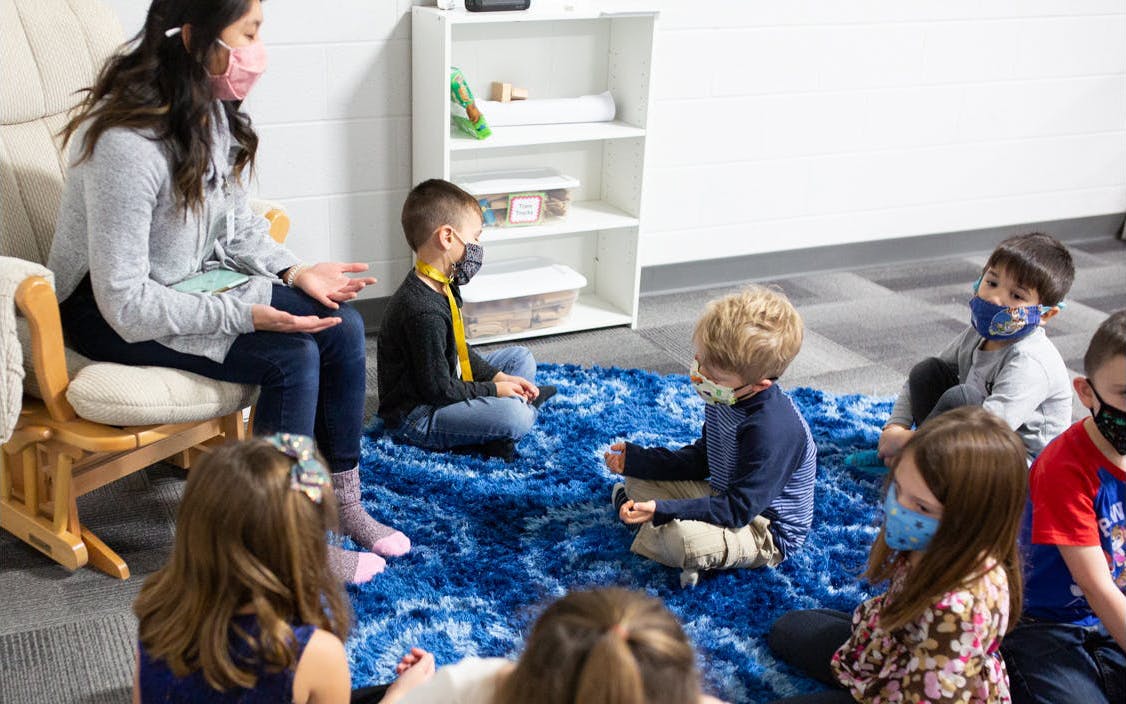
(996, 322)
(905, 529)
(710, 391)
(1111, 422)
(470, 262)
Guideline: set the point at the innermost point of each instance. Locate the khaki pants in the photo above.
(695, 545)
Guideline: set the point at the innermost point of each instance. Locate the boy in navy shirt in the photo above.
(741, 495)
(1069, 646)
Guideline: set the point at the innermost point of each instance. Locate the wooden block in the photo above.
(502, 92)
(519, 94)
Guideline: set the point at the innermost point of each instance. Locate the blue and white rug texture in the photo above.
(495, 542)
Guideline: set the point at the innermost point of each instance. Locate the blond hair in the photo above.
(244, 538)
(754, 333)
(605, 646)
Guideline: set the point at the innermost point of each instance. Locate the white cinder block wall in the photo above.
(776, 125)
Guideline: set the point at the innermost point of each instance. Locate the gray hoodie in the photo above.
(119, 221)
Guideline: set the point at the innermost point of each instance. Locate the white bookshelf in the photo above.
(554, 53)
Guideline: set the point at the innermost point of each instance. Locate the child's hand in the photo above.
(616, 458)
(416, 667)
(633, 512)
(509, 389)
(892, 441)
(516, 386)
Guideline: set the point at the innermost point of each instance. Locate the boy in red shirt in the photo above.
(1069, 647)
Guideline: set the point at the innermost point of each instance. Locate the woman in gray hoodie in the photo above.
(159, 260)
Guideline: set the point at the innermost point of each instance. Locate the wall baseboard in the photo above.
(671, 278)
(710, 273)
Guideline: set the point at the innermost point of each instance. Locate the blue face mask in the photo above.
(905, 529)
(994, 322)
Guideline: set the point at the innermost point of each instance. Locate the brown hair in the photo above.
(606, 646)
(160, 86)
(754, 333)
(1037, 261)
(432, 204)
(243, 538)
(1109, 341)
(975, 465)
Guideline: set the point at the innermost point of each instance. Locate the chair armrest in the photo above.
(276, 215)
(36, 300)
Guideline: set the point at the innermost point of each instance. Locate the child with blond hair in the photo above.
(604, 646)
(742, 494)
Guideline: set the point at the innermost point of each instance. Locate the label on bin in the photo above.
(525, 208)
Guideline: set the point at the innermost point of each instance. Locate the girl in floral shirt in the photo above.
(948, 553)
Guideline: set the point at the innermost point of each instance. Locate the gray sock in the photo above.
(357, 524)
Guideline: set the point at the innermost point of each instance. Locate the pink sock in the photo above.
(352, 566)
(392, 545)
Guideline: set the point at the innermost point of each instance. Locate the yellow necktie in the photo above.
(455, 313)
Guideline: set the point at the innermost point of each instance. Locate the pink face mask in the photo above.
(244, 66)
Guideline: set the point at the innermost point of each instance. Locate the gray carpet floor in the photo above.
(69, 637)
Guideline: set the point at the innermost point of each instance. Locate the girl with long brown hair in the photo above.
(606, 646)
(246, 609)
(948, 554)
(158, 259)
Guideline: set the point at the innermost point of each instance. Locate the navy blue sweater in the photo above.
(768, 460)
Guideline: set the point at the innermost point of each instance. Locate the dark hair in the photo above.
(975, 465)
(432, 204)
(605, 646)
(1037, 261)
(1109, 341)
(159, 85)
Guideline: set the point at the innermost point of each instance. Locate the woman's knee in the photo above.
(345, 339)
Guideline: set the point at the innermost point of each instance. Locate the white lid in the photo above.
(485, 183)
(525, 276)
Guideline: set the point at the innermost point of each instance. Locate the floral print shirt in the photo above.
(949, 654)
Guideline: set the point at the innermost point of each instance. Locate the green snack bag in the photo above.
(464, 110)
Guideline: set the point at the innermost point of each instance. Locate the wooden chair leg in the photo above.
(232, 426)
(102, 557)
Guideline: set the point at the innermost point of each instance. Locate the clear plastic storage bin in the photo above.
(514, 295)
(520, 196)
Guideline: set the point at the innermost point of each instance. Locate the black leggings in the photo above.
(806, 640)
(369, 695)
(934, 389)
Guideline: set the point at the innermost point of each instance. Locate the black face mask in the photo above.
(1111, 422)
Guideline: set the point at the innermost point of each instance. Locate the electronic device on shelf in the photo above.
(496, 5)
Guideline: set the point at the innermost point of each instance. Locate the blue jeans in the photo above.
(477, 420)
(310, 384)
(1060, 663)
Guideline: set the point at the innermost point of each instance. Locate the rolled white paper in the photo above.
(549, 111)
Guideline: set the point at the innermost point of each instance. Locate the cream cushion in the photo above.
(116, 394)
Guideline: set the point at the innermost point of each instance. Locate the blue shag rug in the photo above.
(494, 542)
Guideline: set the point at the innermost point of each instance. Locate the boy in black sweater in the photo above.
(434, 391)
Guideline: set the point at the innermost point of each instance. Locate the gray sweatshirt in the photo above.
(1026, 384)
(119, 221)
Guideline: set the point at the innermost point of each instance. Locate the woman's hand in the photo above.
(273, 320)
(327, 283)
